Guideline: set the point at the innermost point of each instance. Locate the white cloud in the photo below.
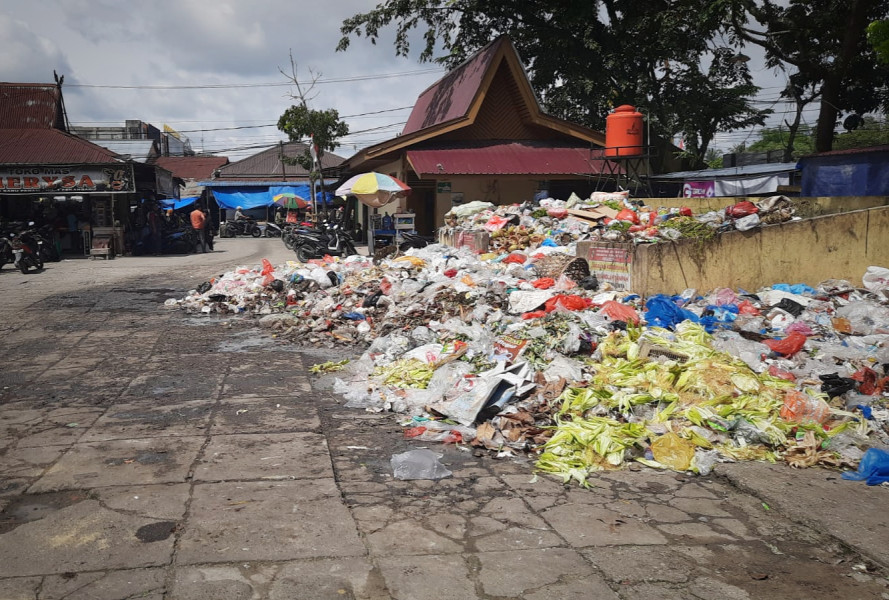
(205, 42)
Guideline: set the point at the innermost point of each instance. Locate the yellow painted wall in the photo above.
(819, 205)
(497, 190)
(838, 246)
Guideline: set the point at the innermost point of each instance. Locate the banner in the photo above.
(59, 179)
(699, 189)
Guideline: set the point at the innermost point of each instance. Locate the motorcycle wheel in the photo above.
(304, 254)
(349, 249)
(23, 266)
(288, 241)
(256, 232)
(38, 262)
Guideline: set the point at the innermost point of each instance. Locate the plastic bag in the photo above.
(620, 312)
(628, 215)
(544, 283)
(747, 223)
(496, 223)
(567, 302)
(873, 468)
(515, 258)
(674, 452)
(876, 279)
(663, 312)
(803, 408)
(789, 346)
(741, 209)
(418, 464)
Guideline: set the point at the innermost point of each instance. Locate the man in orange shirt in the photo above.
(198, 223)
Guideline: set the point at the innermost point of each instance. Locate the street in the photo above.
(148, 453)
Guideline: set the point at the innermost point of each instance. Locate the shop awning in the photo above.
(509, 158)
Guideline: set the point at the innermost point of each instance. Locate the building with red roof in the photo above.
(50, 176)
(479, 133)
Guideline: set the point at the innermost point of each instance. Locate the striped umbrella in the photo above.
(374, 189)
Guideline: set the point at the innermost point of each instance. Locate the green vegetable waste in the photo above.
(405, 373)
(711, 400)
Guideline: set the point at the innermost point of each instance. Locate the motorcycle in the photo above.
(240, 227)
(271, 230)
(182, 241)
(6, 255)
(50, 251)
(333, 241)
(26, 250)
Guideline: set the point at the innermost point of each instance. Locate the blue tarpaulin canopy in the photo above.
(248, 197)
(177, 203)
(855, 172)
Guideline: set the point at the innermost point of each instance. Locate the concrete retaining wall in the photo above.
(807, 207)
(837, 246)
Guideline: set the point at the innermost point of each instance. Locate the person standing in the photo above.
(209, 230)
(154, 229)
(199, 224)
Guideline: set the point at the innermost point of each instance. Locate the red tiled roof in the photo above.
(451, 96)
(509, 158)
(268, 165)
(192, 167)
(30, 106)
(49, 146)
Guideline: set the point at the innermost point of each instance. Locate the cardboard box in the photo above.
(477, 241)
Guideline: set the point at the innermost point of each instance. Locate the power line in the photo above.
(218, 86)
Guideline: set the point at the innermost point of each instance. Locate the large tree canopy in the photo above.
(825, 43)
(584, 57)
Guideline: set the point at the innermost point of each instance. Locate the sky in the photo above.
(210, 69)
(226, 52)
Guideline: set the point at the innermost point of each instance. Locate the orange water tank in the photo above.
(623, 132)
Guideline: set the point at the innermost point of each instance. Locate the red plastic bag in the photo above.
(685, 212)
(544, 283)
(868, 381)
(789, 346)
(628, 215)
(496, 223)
(620, 312)
(450, 273)
(774, 371)
(266, 267)
(385, 286)
(745, 307)
(567, 302)
(515, 258)
(534, 314)
(652, 217)
(637, 228)
(741, 209)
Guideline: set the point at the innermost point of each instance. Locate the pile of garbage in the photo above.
(608, 216)
(526, 352)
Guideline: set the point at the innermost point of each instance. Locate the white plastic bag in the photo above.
(876, 280)
(418, 464)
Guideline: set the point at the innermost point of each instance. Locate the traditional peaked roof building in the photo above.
(479, 133)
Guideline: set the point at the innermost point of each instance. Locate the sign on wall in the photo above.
(443, 187)
(699, 189)
(36, 179)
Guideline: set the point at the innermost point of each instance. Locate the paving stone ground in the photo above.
(145, 453)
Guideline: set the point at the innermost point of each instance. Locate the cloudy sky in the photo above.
(210, 68)
(202, 66)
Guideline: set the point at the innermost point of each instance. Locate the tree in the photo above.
(871, 132)
(320, 128)
(585, 57)
(825, 42)
(878, 37)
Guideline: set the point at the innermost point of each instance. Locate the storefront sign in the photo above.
(699, 189)
(443, 187)
(55, 179)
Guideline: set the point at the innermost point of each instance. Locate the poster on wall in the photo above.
(699, 189)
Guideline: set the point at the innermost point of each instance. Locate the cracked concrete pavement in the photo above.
(145, 453)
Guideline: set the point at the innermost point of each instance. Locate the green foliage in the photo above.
(299, 123)
(878, 37)
(873, 132)
(586, 57)
(713, 159)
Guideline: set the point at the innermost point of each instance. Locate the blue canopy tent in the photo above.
(248, 197)
(177, 203)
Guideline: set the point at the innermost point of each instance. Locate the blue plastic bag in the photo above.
(873, 468)
(663, 312)
(550, 243)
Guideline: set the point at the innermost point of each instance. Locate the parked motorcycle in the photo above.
(271, 230)
(26, 250)
(6, 255)
(333, 241)
(42, 240)
(181, 241)
(240, 227)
